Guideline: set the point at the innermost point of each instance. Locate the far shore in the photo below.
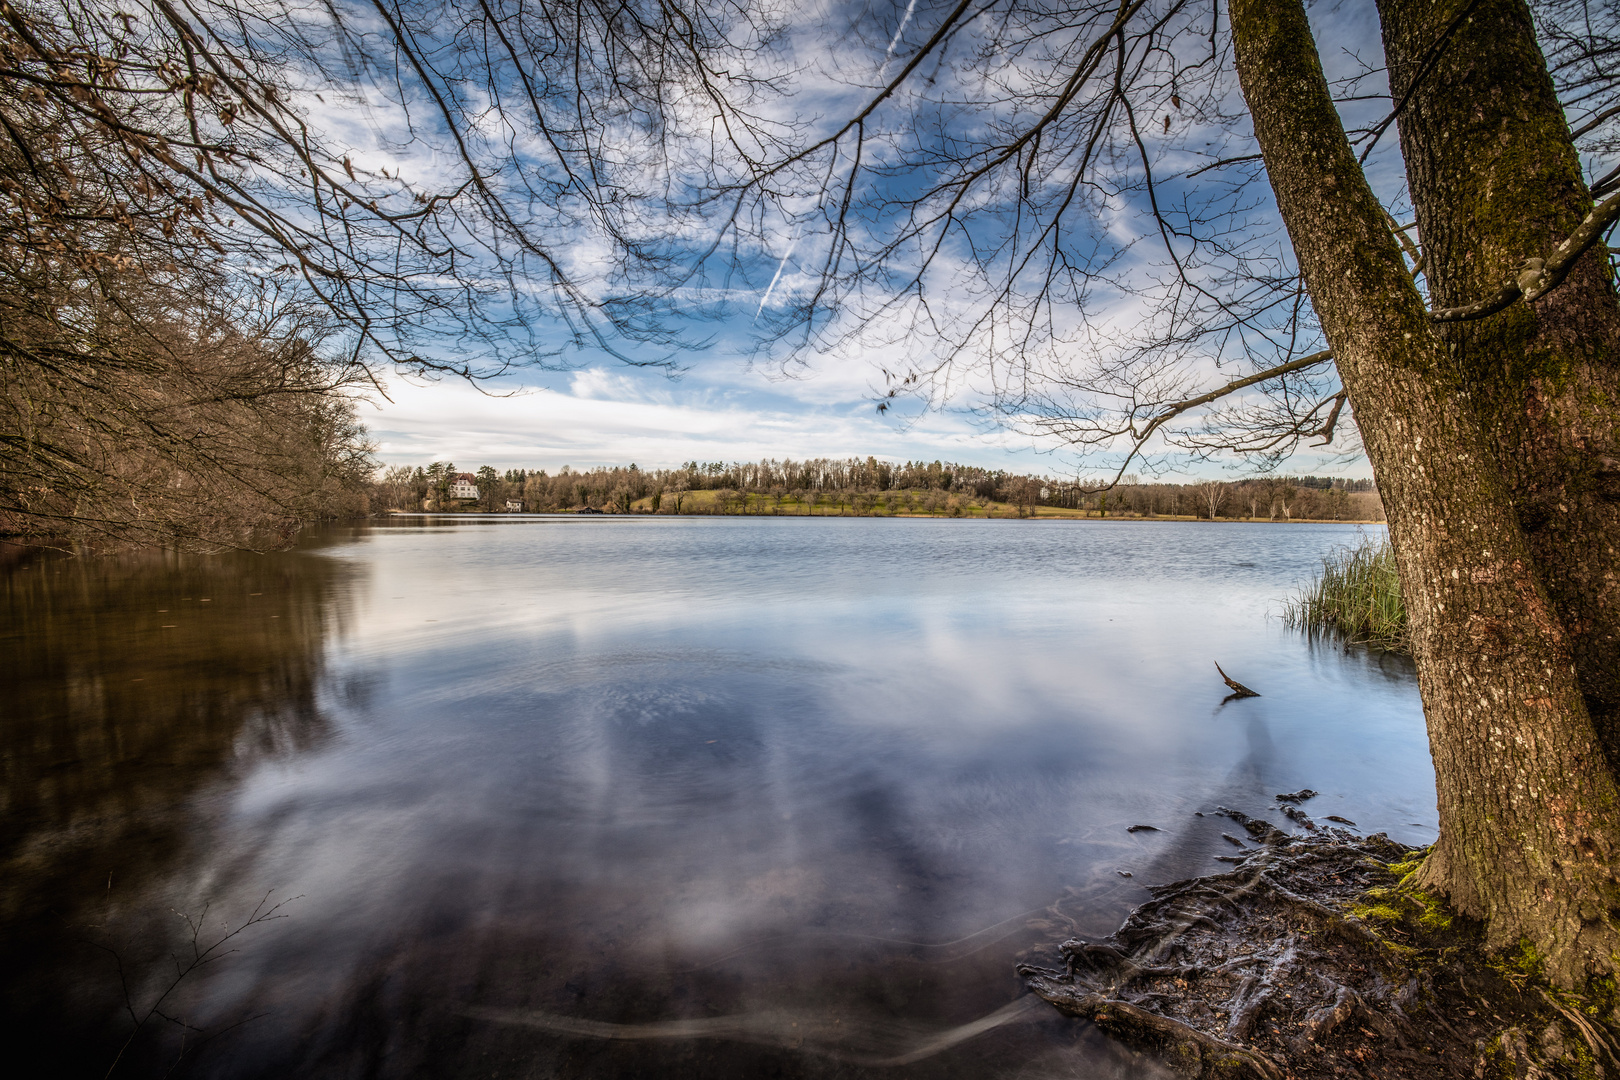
(1039, 513)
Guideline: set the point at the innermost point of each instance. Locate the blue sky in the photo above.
(723, 408)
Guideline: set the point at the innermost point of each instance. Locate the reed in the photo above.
(1357, 597)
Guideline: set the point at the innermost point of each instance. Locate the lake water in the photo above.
(687, 797)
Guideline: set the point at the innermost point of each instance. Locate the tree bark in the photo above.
(1527, 804)
(1495, 180)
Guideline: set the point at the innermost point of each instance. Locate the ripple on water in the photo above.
(608, 796)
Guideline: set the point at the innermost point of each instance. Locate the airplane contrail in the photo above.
(778, 277)
(894, 42)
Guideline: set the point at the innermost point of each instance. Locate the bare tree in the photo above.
(221, 125)
(1212, 493)
(182, 412)
(437, 188)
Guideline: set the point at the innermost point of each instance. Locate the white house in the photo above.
(462, 487)
(514, 505)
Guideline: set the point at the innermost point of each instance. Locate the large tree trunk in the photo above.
(1495, 180)
(1529, 831)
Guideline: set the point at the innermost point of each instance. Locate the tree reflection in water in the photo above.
(636, 797)
(135, 685)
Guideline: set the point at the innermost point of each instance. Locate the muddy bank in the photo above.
(1308, 960)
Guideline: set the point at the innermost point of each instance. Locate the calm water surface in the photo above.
(679, 797)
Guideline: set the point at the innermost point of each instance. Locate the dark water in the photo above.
(677, 797)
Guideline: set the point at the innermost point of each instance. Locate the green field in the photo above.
(883, 504)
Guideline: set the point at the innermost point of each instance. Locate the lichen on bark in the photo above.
(1495, 180)
(1530, 833)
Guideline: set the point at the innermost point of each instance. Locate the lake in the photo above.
(612, 796)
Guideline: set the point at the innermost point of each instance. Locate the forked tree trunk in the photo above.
(1529, 831)
(1495, 180)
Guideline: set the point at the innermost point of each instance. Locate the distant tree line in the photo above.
(866, 486)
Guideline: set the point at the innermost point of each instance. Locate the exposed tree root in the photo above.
(1305, 960)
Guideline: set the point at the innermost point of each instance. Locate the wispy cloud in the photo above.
(598, 416)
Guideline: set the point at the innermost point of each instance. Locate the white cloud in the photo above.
(599, 417)
(721, 412)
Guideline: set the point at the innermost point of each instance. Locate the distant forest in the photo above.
(865, 487)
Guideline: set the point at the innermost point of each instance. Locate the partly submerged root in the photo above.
(1306, 960)
(928, 952)
(1186, 1049)
(1315, 956)
(868, 1044)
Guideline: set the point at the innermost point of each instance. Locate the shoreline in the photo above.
(1040, 517)
(1313, 958)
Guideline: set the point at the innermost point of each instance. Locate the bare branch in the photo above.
(1170, 412)
(1223, 163)
(1540, 276)
(1431, 58)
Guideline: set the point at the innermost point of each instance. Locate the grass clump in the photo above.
(1356, 596)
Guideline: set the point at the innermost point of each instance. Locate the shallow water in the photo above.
(613, 796)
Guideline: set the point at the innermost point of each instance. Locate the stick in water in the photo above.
(1237, 688)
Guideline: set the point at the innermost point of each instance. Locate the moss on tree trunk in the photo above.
(1529, 833)
(1495, 180)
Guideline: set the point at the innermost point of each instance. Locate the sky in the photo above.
(721, 407)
